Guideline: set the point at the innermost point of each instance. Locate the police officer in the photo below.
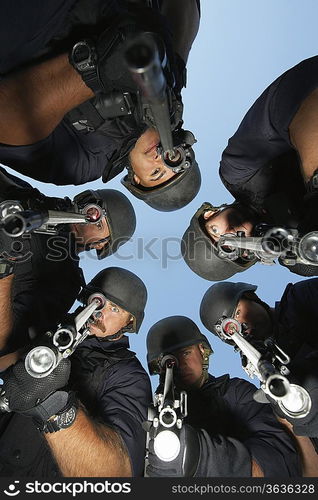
(102, 135)
(225, 433)
(269, 166)
(45, 267)
(84, 419)
(290, 324)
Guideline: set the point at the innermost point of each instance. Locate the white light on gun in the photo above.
(40, 361)
(166, 446)
(297, 403)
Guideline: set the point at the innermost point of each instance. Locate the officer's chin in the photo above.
(188, 382)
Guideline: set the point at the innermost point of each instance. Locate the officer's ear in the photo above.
(136, 179)
(209, 213)
(201, 349)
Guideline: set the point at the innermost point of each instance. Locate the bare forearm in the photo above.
(183, 16)
(306, 450)
(6, 317)
(303, 132)
(34, 101)
(88, 449)
(256, 469)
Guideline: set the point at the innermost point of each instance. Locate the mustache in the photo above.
(99, 324)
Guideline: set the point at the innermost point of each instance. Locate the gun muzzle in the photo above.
(276, 386)
(168, 361)
(64, 337)
(18, 223)
(168, 417)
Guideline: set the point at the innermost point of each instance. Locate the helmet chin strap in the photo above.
(118, 334)
(115, 336)
(205, 365)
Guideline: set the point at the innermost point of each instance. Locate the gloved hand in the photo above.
(84, 198)
(107, 49)
(39, 398)
(113, 72)
(185, 464)
(33, 199)
(300, 269)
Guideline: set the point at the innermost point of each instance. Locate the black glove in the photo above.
(300, 269)
(84, 198)
(33, 199)
(107, 69)
(112, 69)
(186, 463)
(35, 397)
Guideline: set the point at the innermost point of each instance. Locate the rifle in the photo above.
(166, 414)
(270, 368)
(270, 243)
(15, 221)
(159, 106)
(59, 344)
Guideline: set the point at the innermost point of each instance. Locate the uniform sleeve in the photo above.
(222, 456)
(8, 182)
(256, 435)
(263, 133)
(265, 439)
(297, 313)
(65, 157)
(124, 405)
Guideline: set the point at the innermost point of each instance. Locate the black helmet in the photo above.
(200, 254)
(176, 192)
(220, 300)
(170, 334)
(123, 288)
(119, 213)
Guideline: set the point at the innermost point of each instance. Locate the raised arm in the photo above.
(89, 449)
(272, 127)
(6, 316)
(33, 101)
(268, 444)
(303, 132)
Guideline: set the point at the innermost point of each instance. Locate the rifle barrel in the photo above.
(143, 61)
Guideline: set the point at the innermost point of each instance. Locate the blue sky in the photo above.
(241, 47)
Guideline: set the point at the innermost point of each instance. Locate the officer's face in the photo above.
(109, 320)
(255, 316)
(229, 220)
(91, 236)
(149, 169)
(190, 370)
